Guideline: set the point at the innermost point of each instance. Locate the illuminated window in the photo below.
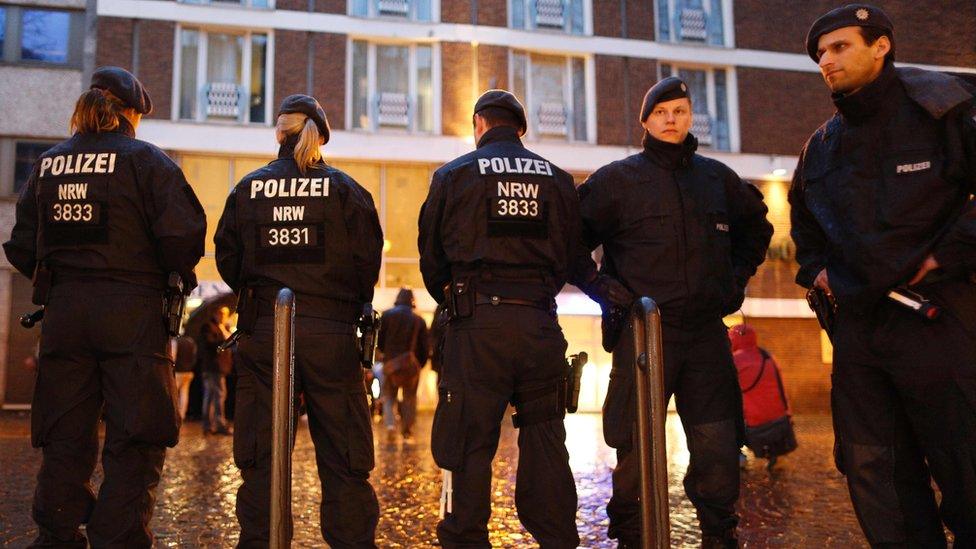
(392, 87)
(709, 89)
(553, 90)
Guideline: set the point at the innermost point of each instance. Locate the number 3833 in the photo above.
(517, 207)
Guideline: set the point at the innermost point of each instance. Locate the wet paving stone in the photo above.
(803, 502)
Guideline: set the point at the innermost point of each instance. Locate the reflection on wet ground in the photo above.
(803, 502)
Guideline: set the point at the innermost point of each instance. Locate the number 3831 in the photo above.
(288, 236)
(517, 206)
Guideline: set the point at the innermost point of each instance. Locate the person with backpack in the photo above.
(769, 426)
(403, 341)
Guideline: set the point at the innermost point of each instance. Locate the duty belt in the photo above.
(548, 305)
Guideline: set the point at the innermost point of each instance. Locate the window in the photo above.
(245, 3)
(26, 153)
(41, 36)
(709, 89)
(415, 10)
(559, 15)
(223, 76)
(553, 90)
(694, 21)
(392, 87)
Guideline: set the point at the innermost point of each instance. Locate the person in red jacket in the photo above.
(769, 429)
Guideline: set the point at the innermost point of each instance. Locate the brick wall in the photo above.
(295, 5)
(493, 13)
(493, 68)
(780, 109)
(620, 89)
(795, 343)
(456, 93)
(156, 64)
(331, 6)
(942, 33)
(456, 11)
(608, 19)
(640, 19)
(114, 43)
(329, 76)
(291, 64)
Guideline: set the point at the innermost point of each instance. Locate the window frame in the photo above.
(247, 4)
(373, 13)
(731, 100)
(8, 160)
(201, 73)
(371, 67)
(13, 37)
(589, 92)
(728, 25)
(527, 17)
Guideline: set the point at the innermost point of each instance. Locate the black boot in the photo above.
(727, 540)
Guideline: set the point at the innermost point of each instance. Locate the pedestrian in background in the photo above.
(769, 425)
(102, 224)
(403, 340)
(185, 360)
(215, 366)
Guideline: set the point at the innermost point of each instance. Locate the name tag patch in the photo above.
(901, 169)
(724, 227)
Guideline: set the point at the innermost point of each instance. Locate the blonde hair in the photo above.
(97, 111)
(307, 153)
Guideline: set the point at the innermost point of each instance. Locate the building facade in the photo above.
(398, 79)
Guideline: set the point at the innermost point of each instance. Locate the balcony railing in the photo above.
(550, 13)
(393, 109)
(393, 7)
(701, 127)
(223, 100)
(694, 24)
(553, 119)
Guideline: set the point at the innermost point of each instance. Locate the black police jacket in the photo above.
(503, 207)
(317, 233)
(677, 227)
(106, 206)
(885, 182)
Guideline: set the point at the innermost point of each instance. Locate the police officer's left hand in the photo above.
(928, 265)
(608, 291)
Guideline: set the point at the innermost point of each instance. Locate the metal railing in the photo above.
(651, 414)
(282, 417)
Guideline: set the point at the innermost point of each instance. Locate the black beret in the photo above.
(124, 85)
(667, 89)
(851, 15)
(503, 100)
(307, 105)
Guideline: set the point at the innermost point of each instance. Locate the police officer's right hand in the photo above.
(822, 282)
(608, 291)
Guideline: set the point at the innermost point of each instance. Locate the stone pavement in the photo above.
(803, 502)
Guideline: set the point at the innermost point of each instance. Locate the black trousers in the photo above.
(699, 372)
(328, 374)
(102, 355)
(489, 357)
(904, 406)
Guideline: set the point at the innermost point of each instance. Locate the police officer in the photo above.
(686, 231)
(881, 199)
(499, 236)
(103, 220)
(302, 224)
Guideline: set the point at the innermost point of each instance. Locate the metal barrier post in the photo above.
(282, 417)
(651, 414)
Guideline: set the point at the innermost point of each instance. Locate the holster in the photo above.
(460, 299)
(612, 324)
(43, 278)
(174, 302)
(824, 307)
(368, 327)
(572, 382)
(247, 310)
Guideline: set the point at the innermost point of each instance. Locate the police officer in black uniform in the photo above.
(500, 234)
(881, 199)
(103, 220)
(686, 231)
(302, 224)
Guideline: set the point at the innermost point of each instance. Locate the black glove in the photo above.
(608, 291)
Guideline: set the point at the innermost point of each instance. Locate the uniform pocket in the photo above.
(447, 438)
(151, 414)
(619, 411)
(359, 433)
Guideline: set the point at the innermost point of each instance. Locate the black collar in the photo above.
(287, 148)
(863, 104)
(669, 155)
(499, 133)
